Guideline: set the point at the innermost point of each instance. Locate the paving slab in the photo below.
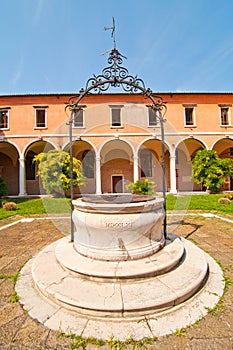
(150, 302)
(211, 332)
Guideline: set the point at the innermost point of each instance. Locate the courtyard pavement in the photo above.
(22, 239)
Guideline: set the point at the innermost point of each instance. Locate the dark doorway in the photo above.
(117, 184)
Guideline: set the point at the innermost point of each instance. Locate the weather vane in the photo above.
(113, 31)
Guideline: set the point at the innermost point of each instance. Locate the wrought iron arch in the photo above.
(115, 76)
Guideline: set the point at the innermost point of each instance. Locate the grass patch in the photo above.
(205, 202)
(79, 342)
(180, 332)
(14, 297)
(26, 207)
(49, 205)
(12, 277)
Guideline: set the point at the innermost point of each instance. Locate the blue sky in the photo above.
(173, 45)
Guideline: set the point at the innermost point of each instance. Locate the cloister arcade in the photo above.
(112, 163)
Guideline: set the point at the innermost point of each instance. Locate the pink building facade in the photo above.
(116, 136)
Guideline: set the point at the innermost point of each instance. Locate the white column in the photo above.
(98, 176)
(22, 184)
(173, 174)
(135, 168)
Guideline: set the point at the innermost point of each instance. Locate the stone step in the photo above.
(154, 265)
(114, 297)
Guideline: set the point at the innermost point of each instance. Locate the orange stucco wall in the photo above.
(98, 134)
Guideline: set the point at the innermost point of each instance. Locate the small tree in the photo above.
(54, 170)
(210, 170)
(143, 187)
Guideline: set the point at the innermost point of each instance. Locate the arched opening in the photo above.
(224, 149)
(116, 166)
(33, 183)
(150, 163)
(83, 151)
(185, 151)
(9, 167)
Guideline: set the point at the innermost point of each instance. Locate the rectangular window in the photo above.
(116, 116)
(30, 166)
(40, 118)
(152, 117)
(146, 163)
(4, 122)
(79, 118)
(224, 116)
(189, 115)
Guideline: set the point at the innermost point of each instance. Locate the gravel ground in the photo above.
(22, 240)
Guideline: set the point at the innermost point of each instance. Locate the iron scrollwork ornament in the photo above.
(115, 75)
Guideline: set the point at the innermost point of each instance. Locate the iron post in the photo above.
(71, 175)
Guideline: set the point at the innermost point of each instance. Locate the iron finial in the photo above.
(113, 28)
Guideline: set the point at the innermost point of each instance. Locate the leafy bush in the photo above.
(142, 187)
(229, 195)
(54, 170)
(210, 170)
(3, 187)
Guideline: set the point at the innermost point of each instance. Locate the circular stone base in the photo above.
(154, 265)
(70, 301)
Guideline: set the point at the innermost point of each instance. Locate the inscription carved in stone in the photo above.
(119, 225)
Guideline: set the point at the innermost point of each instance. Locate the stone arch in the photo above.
(116, 165)
(224, 149)
(85, 152)
(33, 184)
(184, 152)
(9, 166)
(153, 145)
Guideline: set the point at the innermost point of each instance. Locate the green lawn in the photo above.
(27, 207)
(205, 202)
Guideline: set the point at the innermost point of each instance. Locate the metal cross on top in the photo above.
(113, 28)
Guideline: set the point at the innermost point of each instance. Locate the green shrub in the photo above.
(144, 187)
(54, 170)
(210, 170)
(229, 195)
